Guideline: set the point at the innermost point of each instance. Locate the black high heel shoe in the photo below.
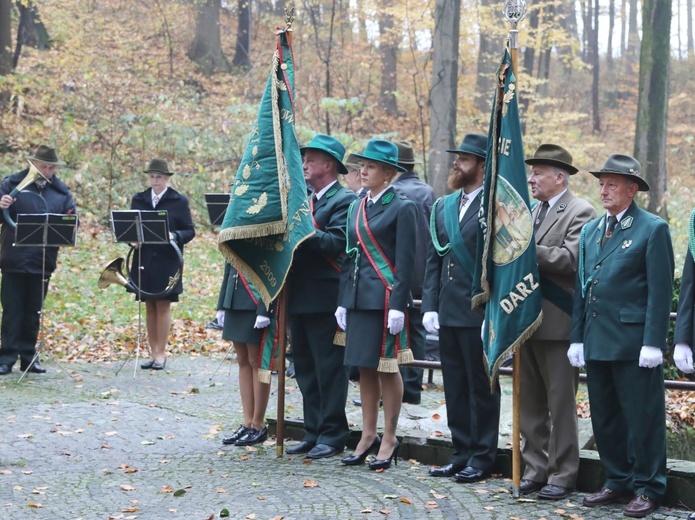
(386, 463)
(356, 460)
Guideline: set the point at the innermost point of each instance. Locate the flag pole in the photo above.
(514, 11)
(282, 310)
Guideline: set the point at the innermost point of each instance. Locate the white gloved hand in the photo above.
(650, 357)
(576, 355)
(430, 320)
(261, 322)
(396, 320)
(683, 357)
(341, 317)
(220, 318)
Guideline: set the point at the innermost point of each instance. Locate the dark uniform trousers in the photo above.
(317, 361)
(21, 320)
(467, 388)
(412, 377)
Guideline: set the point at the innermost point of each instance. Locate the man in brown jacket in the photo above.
(550, 446)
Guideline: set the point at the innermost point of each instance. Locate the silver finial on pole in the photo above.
(514, 11)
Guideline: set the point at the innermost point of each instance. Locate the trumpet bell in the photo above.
(113, 273)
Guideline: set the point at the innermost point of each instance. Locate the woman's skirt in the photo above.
(238, 327)
(365, 333)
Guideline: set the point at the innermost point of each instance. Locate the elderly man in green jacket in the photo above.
(619, 328)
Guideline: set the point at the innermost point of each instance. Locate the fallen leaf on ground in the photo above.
(127, 487)
(311, 484)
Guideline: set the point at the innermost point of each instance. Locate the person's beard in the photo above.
(456, 180)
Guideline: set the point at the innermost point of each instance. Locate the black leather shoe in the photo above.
(5, 369)
(238, 434)
(147, 365)
(386, 463)
(470, 474)
(252, 436)
(446, 471)
(301, 448)
(356, 460)
(530, 486)
(35, 368)
(322, 451)
(553, 492)
(156, 365)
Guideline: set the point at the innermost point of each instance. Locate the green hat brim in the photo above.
(342, 169)
(643, 186)
(552, 162)
(381, 159)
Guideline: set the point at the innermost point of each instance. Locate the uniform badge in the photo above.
(626, 244)
(626, 222)
(561, 208)
(331, 192)
(387, 198)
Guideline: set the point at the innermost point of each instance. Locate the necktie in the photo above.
(462, 206)
(370, 205)
(541, 215)
(155, 201)
(610, 226)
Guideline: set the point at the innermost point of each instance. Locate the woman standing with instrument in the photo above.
(381, 231)
(160, 262)
(245, 324)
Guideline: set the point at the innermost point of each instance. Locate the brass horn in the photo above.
(113, 273)
(31, 177)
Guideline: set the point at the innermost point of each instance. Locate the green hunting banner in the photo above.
(268, 214)
(506, 274)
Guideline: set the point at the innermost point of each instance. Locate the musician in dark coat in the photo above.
(313, 296)
(245, 323)
(619, 328)
(23, 268)
(160, 262)
(410, 185)
(472, 410)
(376, 297)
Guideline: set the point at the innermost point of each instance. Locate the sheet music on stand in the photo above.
(217, 207)
(46, 229)
(140, 226)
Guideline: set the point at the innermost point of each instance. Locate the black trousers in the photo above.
(412, 377)
(21, 296)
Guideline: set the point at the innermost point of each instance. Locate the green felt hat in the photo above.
(158, 166)
(554, 155)
(623, 165)
(329, 145)
(474, 144)
(381, 151)
(47, 155)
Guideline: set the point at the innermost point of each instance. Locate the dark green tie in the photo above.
(542, 212)
(610, 226)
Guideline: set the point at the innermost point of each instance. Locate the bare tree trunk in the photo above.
(652, 104)
(623, 27)
(611, 27)
(633, 33)
(690, 28)
(242, 52)
(567, 16)
(206, 49)
(488, 60)
(324, 49)
(5, 37)
(530, 51)
(593, 10)
(389, 58)
(443, 94)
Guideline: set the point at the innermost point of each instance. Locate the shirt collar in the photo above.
(553, 200)
(159, 197)
(320, 194)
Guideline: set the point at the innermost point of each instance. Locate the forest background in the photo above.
(113, 83)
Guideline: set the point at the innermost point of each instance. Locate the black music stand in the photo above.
(217, 207)
(137, 227)
(44, 230)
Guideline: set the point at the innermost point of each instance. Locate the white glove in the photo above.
(341, 317)
(220, 318)
(430, 320)
(261, 322)
(396, 320)
(576, 355)
(650, 357)
(683, 357)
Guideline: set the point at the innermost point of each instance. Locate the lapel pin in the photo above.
(626, 244)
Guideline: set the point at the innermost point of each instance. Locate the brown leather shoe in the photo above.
(606, 496)
(640, 506)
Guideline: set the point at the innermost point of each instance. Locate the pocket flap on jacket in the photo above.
(632, 316)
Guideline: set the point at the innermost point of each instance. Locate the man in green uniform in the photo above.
(619, 327)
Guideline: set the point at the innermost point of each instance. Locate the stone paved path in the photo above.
(149, 447)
